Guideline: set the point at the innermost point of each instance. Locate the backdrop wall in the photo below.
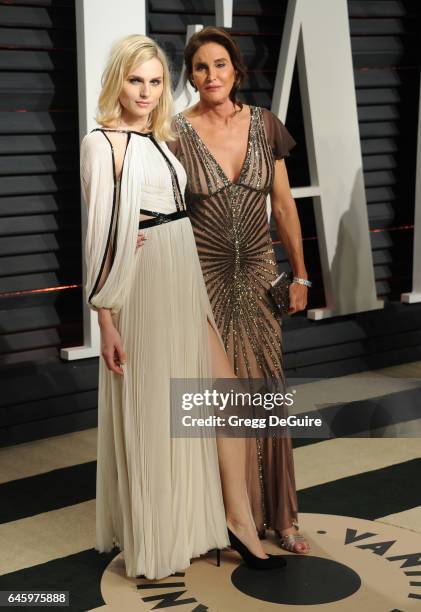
(40, 246)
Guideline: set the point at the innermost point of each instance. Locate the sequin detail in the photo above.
(235, 247)
(231, 228)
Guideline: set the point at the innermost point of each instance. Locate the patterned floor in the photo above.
(47, 508)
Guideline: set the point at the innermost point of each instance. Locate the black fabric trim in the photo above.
(149, 212)
(146, 134)
(159, 218)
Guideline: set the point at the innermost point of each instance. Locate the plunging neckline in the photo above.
(213, 158)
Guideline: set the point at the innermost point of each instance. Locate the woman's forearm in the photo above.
(289, 232)
(104, 317)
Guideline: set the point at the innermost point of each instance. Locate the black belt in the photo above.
(159, 218)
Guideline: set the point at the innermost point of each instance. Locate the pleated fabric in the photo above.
(158, 498)
(112, 211)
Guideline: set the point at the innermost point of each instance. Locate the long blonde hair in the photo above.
(126, 54)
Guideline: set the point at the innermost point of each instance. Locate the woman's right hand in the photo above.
(111, 345)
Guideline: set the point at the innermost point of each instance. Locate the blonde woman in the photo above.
(158, 498)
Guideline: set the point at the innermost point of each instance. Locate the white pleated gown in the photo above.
(158, 498)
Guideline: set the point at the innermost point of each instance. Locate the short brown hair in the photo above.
(220, 37)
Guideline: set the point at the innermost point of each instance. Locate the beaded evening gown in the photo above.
(238, 263)
(159, 498)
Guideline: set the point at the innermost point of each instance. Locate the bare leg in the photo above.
(232, 466)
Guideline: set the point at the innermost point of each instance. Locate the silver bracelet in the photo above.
(302, 281)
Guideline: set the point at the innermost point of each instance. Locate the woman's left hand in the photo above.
(297, 297)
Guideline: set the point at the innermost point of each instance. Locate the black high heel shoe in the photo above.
(272, 562)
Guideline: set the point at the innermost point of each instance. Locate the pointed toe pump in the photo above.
(253, 562)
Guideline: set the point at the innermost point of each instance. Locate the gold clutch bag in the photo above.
(279, 292)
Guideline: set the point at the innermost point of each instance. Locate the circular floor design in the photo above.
(354, 564)
(309, 580)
